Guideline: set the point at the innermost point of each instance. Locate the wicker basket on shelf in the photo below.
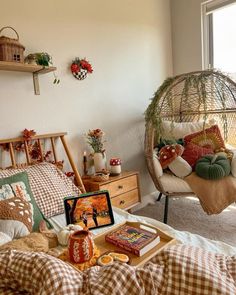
(10, 48)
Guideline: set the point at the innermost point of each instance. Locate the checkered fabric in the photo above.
(81, 75)
(49, 186)
(37, 273)
(180, 269)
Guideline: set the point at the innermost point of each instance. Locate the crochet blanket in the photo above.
(214, 195)
(176, 270)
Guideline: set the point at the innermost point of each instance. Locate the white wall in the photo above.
(128, 43)
(186, 35)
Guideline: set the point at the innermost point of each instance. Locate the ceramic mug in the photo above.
(81, 246)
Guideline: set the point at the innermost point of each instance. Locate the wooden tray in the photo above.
(165, 240)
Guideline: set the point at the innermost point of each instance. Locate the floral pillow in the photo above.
(210, 138)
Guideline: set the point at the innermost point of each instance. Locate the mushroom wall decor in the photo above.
(80, 68)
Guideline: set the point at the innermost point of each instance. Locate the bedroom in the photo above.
(133, 46)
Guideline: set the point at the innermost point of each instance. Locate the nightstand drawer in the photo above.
(126, 200)
(121, 186)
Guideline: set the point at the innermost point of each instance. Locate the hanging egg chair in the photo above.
(184, 102)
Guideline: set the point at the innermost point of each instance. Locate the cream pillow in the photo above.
(157, 166)
(180, 130)
(233, 167)
(233, 164)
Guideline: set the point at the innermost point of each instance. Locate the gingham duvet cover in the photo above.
(177, 270)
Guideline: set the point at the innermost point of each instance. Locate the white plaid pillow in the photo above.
(49, 186)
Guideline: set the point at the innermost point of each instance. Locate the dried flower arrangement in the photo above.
(95, 140)
(33, 148)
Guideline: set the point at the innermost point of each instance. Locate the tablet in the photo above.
(91, 210)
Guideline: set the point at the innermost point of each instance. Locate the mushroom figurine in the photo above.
(170, 156)
(115, 164)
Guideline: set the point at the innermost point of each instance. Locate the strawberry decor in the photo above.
(80, 68)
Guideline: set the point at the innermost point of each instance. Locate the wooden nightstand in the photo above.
(124, 189)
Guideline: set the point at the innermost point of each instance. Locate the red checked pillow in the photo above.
(49, 186)
(193, 152)
(210, 137)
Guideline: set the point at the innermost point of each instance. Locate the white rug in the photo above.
(187, 214)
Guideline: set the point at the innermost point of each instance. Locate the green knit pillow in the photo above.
(213, 167)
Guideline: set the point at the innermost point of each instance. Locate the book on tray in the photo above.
(132, 239)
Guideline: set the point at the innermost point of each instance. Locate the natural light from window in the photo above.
(224, 39)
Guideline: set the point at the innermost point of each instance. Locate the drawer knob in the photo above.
(120, 186)
(122, 202)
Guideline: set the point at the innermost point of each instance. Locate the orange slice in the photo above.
(105, 260)
(119, 257)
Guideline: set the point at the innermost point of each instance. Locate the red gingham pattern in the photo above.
(178, 270)
(49, 186)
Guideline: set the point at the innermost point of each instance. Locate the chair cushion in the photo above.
(157, 166)
(233, 167)
(173, 184)
(180, 130)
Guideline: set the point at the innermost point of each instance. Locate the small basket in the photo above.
(10, 48)
(81, 75)
(100, 177)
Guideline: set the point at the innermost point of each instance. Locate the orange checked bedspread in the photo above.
(176, 270)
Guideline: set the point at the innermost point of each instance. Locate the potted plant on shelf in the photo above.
(42, 59)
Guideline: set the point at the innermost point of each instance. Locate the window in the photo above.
(218, 35)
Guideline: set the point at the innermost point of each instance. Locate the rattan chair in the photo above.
(190, 97)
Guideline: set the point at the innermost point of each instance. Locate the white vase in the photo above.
(99, 161)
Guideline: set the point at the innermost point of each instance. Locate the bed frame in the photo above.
(39, 138)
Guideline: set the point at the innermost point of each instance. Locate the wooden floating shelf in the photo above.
(27, 68)
(20, 67)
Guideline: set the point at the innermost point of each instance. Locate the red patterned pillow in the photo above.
(193, 152)
(210, 137)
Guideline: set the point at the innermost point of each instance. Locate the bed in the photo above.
(195, 265)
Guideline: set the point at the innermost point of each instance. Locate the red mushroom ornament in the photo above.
(170, 156)
(115, 164)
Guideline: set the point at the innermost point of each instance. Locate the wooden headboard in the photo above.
(12, 141)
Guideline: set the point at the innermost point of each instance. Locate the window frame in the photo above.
(207, 9)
